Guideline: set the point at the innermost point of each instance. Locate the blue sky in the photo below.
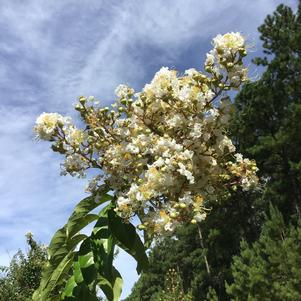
(53, 51)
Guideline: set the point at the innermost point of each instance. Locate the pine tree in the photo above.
(269, 269)
(267, 122)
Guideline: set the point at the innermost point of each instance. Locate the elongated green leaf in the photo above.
(93, 264)
(79, 293)
(49, 291)
(62, 245)
(80, 217)
(117, 284)
(103, 243)
(70, 286)
(75, 240)
(128, 239)
(84, 294)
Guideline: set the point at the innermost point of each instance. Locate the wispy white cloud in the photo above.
(53, 51)
(33, 197)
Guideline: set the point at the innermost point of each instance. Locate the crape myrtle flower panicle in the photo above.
(164, 151)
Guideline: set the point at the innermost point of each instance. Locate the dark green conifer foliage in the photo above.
(269, 269)
(267, 122)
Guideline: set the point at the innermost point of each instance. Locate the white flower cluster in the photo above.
(224, 61)
(47, 124)
(164, 151)
(55, 127)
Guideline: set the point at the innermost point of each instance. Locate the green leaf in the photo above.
(75, 240)
(77, 274)
(80, 292)
(80, 217)
(70, 286)
(47, 290)
(62, 245)
(128, 239)
(103, 244)
(117, 284)
(93, 264)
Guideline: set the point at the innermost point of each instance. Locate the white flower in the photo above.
(238, 157)
(123, 91)
(237, 75)
(232, 41)
(226, 142)
(196, 131)
(134, 193)
(170, 227)
(122, 201)
(186, 198)
(209, 59)
(159, 163)
(199, 217)
(133, 149)
(191, 72)
(163, 80)
(74, 136)
(93, 184)
(47, 124)
(75, 165)
(183, 171)
(176, 121)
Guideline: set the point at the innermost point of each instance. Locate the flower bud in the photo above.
(208, 68)
(173, 215)
(203, 76)
(82, 99)
(90, 140)
(78, 107)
